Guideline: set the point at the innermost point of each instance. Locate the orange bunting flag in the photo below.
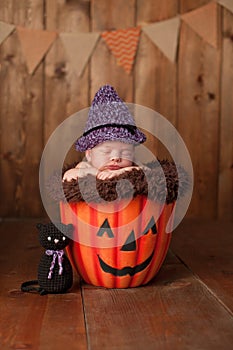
(123, 44)
(5, 30)
(205, 22)
(35, 44)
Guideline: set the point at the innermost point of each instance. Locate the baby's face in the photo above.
(111, 155)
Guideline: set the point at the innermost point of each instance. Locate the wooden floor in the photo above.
(189, 305)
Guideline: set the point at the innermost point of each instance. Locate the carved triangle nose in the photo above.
(130, 243)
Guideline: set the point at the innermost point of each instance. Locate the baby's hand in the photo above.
(106, 174)
(78, 173)
(71, 174)
(109, 174)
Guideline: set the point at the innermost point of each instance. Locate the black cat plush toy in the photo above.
(54, 271)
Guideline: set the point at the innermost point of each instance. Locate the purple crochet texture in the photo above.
(109, 119)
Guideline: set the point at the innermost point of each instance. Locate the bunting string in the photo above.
(122, 43)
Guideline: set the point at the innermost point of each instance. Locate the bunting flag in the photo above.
(35, 44)
(165, 36)
(123, 44)
(226, 3)
(79, 47)
(5, 30)
(204, 21)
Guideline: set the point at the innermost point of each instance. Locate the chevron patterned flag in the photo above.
(123, 44)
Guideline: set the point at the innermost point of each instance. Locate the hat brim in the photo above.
(109, 134)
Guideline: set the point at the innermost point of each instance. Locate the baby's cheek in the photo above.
(127, 162)
(102, 162)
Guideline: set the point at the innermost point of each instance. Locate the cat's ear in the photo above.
(39, 226)
(69, 228)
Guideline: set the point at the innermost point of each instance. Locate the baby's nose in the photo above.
(116, 158)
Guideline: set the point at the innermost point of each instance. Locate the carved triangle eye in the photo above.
(151, 226)
(130, 243)
(105, 227)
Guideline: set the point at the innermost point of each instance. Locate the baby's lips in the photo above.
(109, 167)
(113, 167)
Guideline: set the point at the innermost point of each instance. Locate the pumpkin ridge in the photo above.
(161, 245)
(94, 222)
(139, 250)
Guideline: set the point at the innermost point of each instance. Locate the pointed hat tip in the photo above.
(106, 94)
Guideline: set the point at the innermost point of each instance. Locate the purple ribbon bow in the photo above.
(56, 254)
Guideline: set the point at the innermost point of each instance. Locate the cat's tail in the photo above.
(28, 286)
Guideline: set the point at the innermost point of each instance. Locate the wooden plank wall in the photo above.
(194, 94)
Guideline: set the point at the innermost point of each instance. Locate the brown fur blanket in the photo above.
(160, 182)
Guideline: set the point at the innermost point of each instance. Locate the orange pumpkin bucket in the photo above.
(120, 249)
(122, 242)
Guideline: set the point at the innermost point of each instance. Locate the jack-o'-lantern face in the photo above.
(122, 248)
(130, 246)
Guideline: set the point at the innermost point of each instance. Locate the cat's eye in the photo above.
(64, 238)
(49, 238)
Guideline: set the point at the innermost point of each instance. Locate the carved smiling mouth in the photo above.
(125, 270)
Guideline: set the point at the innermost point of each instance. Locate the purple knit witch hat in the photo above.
(109, 119)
